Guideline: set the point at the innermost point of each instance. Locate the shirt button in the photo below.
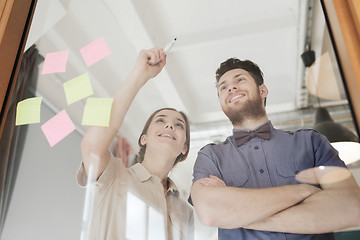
(261, 170)
(256, 147)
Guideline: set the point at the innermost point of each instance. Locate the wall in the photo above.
(46, 203)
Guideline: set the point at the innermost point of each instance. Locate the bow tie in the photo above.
(263, 132)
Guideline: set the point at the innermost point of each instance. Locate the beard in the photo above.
(252, 108)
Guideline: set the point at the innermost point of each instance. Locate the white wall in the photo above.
(46, 203)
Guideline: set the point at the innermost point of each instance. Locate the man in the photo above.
(246, 185)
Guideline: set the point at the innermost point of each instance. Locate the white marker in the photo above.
(169, 46)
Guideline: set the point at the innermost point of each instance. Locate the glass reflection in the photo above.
(323, 175)
(324, 84)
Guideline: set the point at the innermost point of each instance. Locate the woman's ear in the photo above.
(184, 149)
(143, 139)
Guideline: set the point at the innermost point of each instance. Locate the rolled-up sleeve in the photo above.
(114, 167)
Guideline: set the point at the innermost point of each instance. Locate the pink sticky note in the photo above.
(55, 62)
(57, 128)
(95, 51)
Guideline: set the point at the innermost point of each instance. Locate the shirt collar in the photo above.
(143, 175)
(246, 130)
(172, 187)
(141, 172)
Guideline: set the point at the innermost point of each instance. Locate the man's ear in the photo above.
(263, 91)
(143, 139)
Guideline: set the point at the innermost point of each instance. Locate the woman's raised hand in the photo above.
(149, 63)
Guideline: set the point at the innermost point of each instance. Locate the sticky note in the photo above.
(55, 62)
(97, 112)
(78, 88)
(57, 128)
(28, 111)
(95, 51)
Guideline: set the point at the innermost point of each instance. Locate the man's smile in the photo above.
(235, 97)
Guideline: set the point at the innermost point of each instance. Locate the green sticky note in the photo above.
(28, 111)
(97, 112)
(78, 88)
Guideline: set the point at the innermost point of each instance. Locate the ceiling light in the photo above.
(341, 138)
(308, 58)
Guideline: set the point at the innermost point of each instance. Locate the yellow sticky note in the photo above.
(78, 88)
(97, 112)
(28, 111)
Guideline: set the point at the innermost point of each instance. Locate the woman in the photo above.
(164, 142)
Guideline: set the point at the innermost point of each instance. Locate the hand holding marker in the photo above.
(167, 48)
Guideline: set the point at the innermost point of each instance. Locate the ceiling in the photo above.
(270, 33)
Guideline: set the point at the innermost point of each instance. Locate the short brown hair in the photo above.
(247, 65)
(234, 63)
(181, 156)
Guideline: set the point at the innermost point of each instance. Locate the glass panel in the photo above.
(47, 202)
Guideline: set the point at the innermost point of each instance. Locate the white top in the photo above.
(125, 197)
